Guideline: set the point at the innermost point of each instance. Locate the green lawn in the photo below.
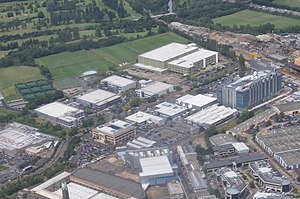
(4, 111)
(17, 74)
(255, 18)
(70, 64)
(291, 3)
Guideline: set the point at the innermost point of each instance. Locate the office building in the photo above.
(154, 89)
(269, 179)
(234, 185)
(284, 145)
(115, 132)
(169, 110)
(98, 99)
(175, 190)
(251, 89)
(61, 114)
(118, 84)
(87, 183)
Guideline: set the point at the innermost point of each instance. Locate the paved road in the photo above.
(271, 9)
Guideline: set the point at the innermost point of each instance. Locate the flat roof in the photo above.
(118, 81)
(289, 106)
(150, 68)
(188, 61)
(260, 117)
(16, 136)
(197, 100)
(77, 191)
(175, 188)
(52, 181)
(211, 115)
(122, 185)
(221, 139)
(113, 127)
(169, 109)
(155, 88)
(290, 157)
(168, 52)
(240, 146)
(141, 117)
(56, 109)
(98, 97)
(158, 165)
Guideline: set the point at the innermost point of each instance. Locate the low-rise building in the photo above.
(61, 114)
(265, 195)
(289, 108)
(169, 110)
(98, 99)
(284, 145)
(211, 115)
(196, 102)
(234, 185)
(175, 190)
(115, 132)
(118, 84)
(142, 118)
(268, 179)
(155, 89)
(140, 143)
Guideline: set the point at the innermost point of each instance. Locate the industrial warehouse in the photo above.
(60, 113)
(154, 89)
(284, 145)
(178, 58)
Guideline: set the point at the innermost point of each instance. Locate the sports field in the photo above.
(291, 3)
(254, 18)
(13, 75)
(70, 64)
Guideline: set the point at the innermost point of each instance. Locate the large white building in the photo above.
(198, 101)
(61, 114)
(167, 109)
(118, 84)
(98, 99)
(141, 118)
(179, 58)
(154, 89)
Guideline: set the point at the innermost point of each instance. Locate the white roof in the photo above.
(90, 72)
(155, 88)
(77, 191)
(157, 165)
(240, 146)
(56, 109)
(51, 181)
(150, 68)
(211, 115)
(188, 61)
(118, 81)
(102, 196)
(113, 127)
(230, 174)
(141, 117)
(170, 109)
(98, 97)
(168, 52)
(198, 100)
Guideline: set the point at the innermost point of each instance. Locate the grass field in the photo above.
(18, 74)
(67, 83)
(291, 3)
(255, 18)
(4, 111)
(70, 64)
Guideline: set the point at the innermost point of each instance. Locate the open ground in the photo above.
(70, 64)
(291, 3)
(254, 18)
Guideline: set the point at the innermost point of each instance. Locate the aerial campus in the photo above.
(149, 99)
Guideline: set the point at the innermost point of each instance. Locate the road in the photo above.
(271, 9)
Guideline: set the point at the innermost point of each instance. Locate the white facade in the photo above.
(144, 118)
(198, 101)
(155, 89)
(118, 83)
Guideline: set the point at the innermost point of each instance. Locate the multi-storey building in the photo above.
(251, 89)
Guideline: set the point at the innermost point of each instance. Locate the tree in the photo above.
(281, 115)
(242, 68)
(251, 184)
(40, 15)
(135, 102)
(98, 32)
(298, 178)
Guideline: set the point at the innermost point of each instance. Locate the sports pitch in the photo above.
(13, 75)
(70, 64)
(254, 18)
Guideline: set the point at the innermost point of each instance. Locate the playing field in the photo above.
(70, 64)
(291, 3)
(255, 18)
(13, 75)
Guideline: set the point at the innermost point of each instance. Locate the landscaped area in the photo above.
(254, 18)
(291, 3)
(13, 75)
(70, 64)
